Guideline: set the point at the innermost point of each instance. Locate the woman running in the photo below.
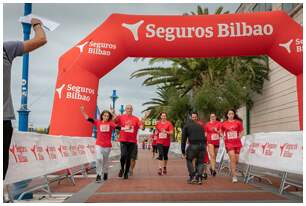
(212, 133)
(233, 131)
(164, 130)
(103, 142)
(153, 142)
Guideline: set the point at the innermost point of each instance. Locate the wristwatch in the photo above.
(36, 24)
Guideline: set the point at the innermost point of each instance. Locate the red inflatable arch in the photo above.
(121, 36)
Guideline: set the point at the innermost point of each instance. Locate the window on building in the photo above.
(262, 7)
(288, 7)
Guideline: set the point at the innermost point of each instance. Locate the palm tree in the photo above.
(184, 74)
(167, 101)
(205, 11)
(242, 77)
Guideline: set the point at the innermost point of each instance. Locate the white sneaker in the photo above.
(234, 179)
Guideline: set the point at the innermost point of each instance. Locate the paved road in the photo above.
(147, 186)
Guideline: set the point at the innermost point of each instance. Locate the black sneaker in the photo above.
(204, 176)
(126, 176)
(105, 176)
(199, 180)
(194, 180)
(214, 173)
(98, 179)
(120, 173)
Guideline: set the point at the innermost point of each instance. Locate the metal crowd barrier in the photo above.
(251, 172)
(287, 182)
(42, 183)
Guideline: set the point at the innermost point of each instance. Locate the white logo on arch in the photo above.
(81, 46)
(59, 91)
(287, 45)
(133, 28)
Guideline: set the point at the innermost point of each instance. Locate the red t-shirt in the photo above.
(129, 128)
(104, 133)
(163, 138)
(210, 128)
(231, 132)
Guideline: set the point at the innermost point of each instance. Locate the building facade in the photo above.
(276, 109)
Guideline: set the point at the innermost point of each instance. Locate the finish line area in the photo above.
(147, 186)
(67, 165)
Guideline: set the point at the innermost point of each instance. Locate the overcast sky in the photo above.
(77, 21)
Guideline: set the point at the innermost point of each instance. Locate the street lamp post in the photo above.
(23, 111)
(121, 110)
(114, 97)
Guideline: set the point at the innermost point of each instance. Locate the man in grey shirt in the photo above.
(12, 49)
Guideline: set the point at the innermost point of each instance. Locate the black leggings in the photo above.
(7, 137)
(163, 152)
(127, 149)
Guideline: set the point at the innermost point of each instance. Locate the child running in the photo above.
(103, 142)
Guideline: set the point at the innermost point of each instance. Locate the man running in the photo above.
(128, 138)
(195, 134)
(206, 158)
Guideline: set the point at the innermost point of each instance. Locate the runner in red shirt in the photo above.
(128, 138)
(212, 133)
(233, 131)
(143, 144)
(103, 142)
(164, 130)
(153, 138)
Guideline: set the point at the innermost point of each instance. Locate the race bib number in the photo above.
(162, 135)
(232, 135)
(214, 137)
(128, 129)
(104, 128)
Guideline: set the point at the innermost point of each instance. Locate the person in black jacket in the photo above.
(195, 134)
